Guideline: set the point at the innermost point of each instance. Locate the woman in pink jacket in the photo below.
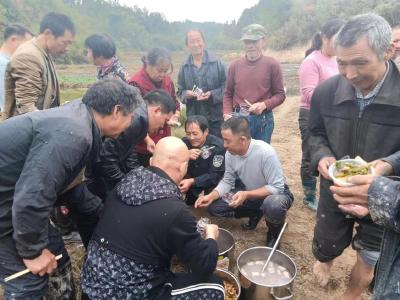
(319, 65)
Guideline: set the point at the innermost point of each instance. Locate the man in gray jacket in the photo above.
(31, 81)
(45, 151)
(262, 190)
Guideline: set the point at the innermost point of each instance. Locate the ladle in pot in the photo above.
(274, 248)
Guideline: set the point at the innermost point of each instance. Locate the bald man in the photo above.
(145, 222)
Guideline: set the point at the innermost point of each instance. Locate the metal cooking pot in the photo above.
(254, 291)
(229, 277)
(226, 247)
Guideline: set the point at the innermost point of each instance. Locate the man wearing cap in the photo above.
(254, 85)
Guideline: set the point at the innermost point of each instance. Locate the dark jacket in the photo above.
(116, 156)
(209, 168)
(384, 207)
(44, 153)
(212, 78)
(338, 128)
(146, 222)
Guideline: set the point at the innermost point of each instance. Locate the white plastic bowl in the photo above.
(342, 182)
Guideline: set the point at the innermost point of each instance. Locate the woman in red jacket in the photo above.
(154, 75)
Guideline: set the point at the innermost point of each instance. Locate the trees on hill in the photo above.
(289, 22)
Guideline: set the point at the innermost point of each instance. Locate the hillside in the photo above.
(289, 22)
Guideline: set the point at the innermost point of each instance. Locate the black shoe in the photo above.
(254, 218)
(273, 233)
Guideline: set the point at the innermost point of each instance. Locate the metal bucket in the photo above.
(256, 291)
(229, 277)
(226, 247)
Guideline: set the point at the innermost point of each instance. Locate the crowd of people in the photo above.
(130, 186)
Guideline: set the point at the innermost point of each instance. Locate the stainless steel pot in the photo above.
(226, 247)
(229, 277)
(254, 291)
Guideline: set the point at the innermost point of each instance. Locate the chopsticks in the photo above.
(247, 102)
(23, 272)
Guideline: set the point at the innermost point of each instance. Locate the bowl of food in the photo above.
(231, 284)
(342, 169)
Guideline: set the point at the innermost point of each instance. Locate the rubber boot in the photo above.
(273, 233)
(310, 192)
(254, 215)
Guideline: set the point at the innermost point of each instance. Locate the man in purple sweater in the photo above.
(254, 85)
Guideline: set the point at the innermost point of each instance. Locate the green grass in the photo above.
(71, 94)
(76, 80)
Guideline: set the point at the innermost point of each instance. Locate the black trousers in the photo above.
(333, 230)
(85, 209)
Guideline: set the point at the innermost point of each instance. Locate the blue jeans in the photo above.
(261, 126)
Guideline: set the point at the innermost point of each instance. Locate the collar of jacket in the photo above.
(160, 173)
(36, 44)
(97, 139)
(144, 81)
(207, 58)
(388, 95)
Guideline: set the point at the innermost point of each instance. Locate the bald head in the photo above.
(171, 155)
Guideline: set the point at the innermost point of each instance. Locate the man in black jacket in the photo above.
(206, 164)
(354, 113)
(145, 222)
(44, 153)
(117, 156)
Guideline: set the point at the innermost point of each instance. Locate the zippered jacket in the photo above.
(338, 128)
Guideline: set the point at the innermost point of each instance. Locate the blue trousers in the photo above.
(261, 126)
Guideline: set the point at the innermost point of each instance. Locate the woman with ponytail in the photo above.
(319, 65)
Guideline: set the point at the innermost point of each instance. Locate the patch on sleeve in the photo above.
(218, 160)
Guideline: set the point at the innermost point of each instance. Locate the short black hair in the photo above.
(106, 93)
(200, 120)
(238, 126)
(57, 23)
(101, 45)
(194, 30)
(162, 98)
(16, 29)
